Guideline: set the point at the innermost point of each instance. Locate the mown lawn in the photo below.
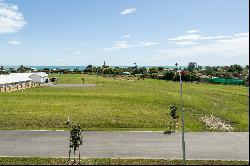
(108, 161)
(122, 105)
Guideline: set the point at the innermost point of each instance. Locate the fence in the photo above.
(226, 81)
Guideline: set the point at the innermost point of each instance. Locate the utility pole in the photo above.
(182, 117)
(97, 76)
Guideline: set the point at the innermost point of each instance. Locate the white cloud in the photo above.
(185, 43)
(126, 36)
(192, 39)
(241, 34)
(125, 44)
(214, 37)
(146, 44)
(186, 37)
(10, 19)
(78, 53)
(119, 45)
(235, 48)
(121, 42)
(80, 44)
(128, 11)
(14, 42)
(192, 31)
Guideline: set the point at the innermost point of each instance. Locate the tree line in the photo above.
(193, 71)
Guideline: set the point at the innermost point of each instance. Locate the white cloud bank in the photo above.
(128, 11)
(191, 39)
(220, 50)
(10, 19)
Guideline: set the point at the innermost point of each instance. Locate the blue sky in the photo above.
(121, 32)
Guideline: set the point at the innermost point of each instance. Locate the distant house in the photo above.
(126, 73)
(203, 78)
(40, 77)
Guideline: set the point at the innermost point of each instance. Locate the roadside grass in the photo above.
(122, 105)
(108, 161)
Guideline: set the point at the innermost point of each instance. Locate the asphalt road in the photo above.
(154, 145)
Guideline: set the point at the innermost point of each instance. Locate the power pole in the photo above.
(97, 76)
(182, 117)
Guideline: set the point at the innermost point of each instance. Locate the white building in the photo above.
(126, 73)
(15, 78)
(40, 77)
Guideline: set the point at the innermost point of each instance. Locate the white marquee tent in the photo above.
(14, 78)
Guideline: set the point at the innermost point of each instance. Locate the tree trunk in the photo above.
(174, 126)
(79, 157)
(170, 128)
(74, 156)
(69, 155)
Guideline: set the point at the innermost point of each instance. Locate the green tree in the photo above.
(192, 66)
(209, 70)
(108, 70)
(169, 75)
(23, 69)
(235, 68)
(142, 70)
(174, 116)
(75, 140)
(88, 69)
(153, 70)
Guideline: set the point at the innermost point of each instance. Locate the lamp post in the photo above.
(135, 69)
(135, 65)
(97, 76)
(182, 117)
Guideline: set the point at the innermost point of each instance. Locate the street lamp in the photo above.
(97, 76)
(135, 64)
(182, 116)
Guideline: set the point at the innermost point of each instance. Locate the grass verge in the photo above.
(108, 161)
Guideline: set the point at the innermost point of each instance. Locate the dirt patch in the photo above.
(210, 121)
(216, 123)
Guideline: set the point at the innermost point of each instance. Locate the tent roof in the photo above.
(19, 77)
(5, 79)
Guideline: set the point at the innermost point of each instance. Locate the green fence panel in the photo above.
(225, 81)
(235, 81)
(220, 80)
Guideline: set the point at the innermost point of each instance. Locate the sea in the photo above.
(80, 67)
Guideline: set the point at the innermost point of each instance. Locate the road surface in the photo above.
(153, 145)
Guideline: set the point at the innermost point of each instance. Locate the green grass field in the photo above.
(122, 105)
(108, 161)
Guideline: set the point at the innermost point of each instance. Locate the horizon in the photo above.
(154, 33)
(84, 66)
